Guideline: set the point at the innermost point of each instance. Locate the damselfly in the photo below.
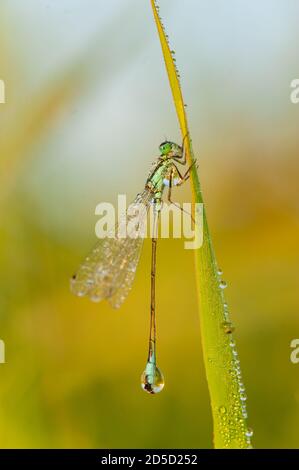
(109, 270)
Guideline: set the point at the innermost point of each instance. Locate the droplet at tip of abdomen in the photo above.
(152, 380)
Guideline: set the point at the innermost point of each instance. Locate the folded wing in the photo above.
(109, 270)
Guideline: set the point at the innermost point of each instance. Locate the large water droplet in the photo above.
(152, 380)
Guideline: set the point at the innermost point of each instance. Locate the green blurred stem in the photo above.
(222, 366)
(220, 358)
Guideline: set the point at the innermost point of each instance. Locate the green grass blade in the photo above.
(222, 365)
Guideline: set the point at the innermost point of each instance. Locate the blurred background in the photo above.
(87, 104)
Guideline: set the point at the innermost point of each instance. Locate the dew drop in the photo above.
(243, 397)
(78, 288)
(95, 298)
(80, 293)
(152, 380)
(222, 284)
(220, 271)
(249, 432)
(228, 328)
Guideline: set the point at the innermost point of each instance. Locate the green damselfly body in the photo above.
(109, 269)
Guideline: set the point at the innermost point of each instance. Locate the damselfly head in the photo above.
(170, 149)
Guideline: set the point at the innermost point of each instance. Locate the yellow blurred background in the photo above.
(87, 104)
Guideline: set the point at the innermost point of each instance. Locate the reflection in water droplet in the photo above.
(152, 380)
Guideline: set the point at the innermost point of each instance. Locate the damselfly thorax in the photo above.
(109, 270)
(163, 173)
